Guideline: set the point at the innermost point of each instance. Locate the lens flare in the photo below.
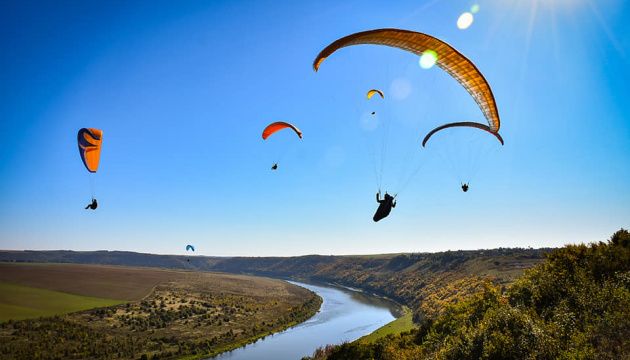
(400, 88)
(474, 9)
(428, 59)
(465, 20)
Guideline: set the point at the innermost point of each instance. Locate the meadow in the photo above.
(20, 302)
(100, 281)
(167, 314)
(403, 323)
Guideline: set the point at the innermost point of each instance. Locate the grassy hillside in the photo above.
(105, 257)
(110, 282)
(185, 314)
(20, 302)
(424, 282)
(575, 305)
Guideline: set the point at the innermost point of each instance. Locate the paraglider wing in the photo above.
(279, 125)
(190, 247)
(466, 124)
(90, 147)
(375, 91)
(448, 58)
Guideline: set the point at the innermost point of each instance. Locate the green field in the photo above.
(20, 302)
(403, 323)
(171, 314)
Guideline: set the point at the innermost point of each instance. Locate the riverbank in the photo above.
(344, 316)
(196, 314)
(311, 308)
(403, 323)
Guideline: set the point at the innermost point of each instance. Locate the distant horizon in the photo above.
(283, 256)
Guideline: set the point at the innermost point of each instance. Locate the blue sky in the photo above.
(183, 90)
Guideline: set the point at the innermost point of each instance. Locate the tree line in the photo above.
(575, 305)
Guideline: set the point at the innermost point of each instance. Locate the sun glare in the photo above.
(465, 20)
(428, 59)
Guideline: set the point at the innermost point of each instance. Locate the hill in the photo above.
(169, 313)
(425, 282)
(575, 305)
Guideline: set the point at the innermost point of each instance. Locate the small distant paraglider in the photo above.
(375, 91)
(275, 127)
(89, 141)
(372, 92)
(189, 247)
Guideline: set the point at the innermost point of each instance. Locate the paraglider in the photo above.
(385, 206)
(275, 127)
(90, 147)
(89, 141)
(466, 124)
(375, 91)
(190, 247)
(93, 205)
(372, 92)
(448, 58)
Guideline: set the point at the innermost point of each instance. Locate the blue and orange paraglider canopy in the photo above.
(90, 147)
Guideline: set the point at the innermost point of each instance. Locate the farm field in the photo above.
(177, 313)
(20, 302)
(101, 281)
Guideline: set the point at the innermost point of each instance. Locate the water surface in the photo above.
(345, 315)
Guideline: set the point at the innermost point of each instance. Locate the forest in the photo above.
(574, 305)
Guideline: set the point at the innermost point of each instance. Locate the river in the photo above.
(345, 315)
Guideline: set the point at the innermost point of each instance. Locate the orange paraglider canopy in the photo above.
(447, 57)
(90, 147)
(279, 125)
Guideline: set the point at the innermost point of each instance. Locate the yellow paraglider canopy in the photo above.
(375, 91)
